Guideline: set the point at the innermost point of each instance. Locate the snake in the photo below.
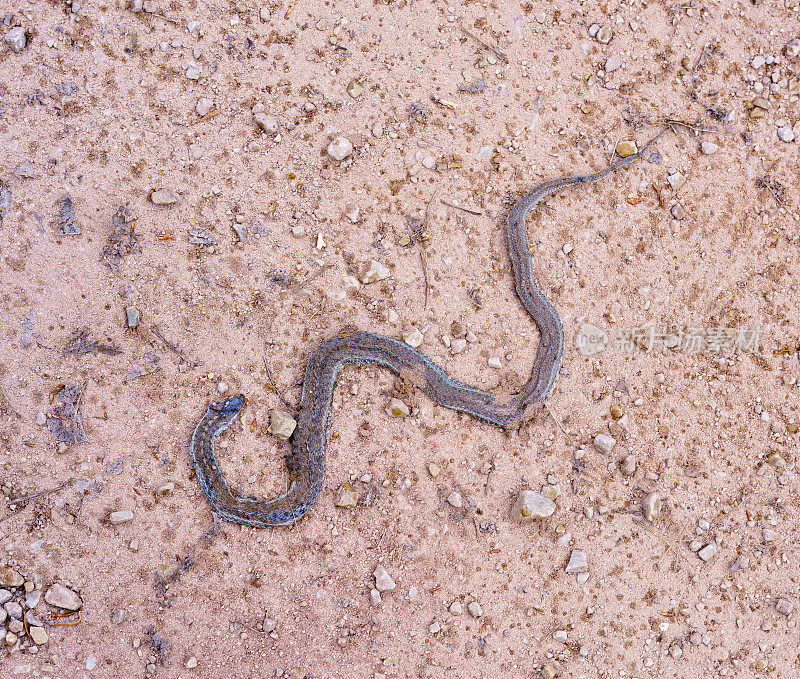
(305, 462)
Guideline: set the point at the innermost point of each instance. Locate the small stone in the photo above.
(675, 651)
(532, 505)
(561, 636)
(192, 26)
(165, 488)
(270, 624)
(627, 147)
(193, 73)
(758, 62)
(374, 597)
(455, 500)
(707, 553)
(776, 460)
(11, 639)
(10, 578)
(266, 123)
(222, 387)
(494, 362)
(120, 516)
(769, 535)
(63, 597)
(652, 506)
(612, 64)
(628, 465)
(281, 424)
(25, 170)
(792, 49)
(347, 496)
(204, 106)
(41, 419)
(376, 272)
(709, 148)
(677, 211)
(397, 408)
(457, 345)
(377, 130)
(264, 14)
(191, 663)
(14, 610)
(549, 672)
(433, 470)
(167, 571)
(15, 39)
(456, 608)
(383, 581)
(3, 615)
(785, 134)
(132, 317)
(676, 180)
(435, 627)
(428, 162)
(604, 443)
(604, 35)
(577, 562)
(340, 148)
(32, 598)
(784, 606)
(163, 197)
(355, 89)
(5, 596)
(38, 635)
(475, 609)
(413, 338)
(299, 231)
(118, 616)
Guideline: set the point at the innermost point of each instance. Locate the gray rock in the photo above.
(383, 581)
(612, 63)
(118, 616)
(120, 516)
(628, 465)
(204, 106)
(340, 148)
(132, 317)
(532, 505)
(708, 552)
(13, 609)
(604, 443)
(32, 598)
(5, 595)
(15, 39)
(651, 506)
(25, 170)
(38, 635)
(785, 134)
(281, 424)
(784, 606)
(577, 562)
(10, 578)
(267, 123)
(32, 619)
(475, 609)
(164, 197)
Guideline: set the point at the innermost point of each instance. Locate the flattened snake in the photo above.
(306, 461)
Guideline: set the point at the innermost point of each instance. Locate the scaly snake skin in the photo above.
(306, 462)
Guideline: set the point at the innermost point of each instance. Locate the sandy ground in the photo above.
(100, 105)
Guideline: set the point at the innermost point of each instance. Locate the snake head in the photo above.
(229, 406)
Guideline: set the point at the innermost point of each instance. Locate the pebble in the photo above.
(383, 581)
(5, 595)
(604, 35)
(10, 578)
(758, 62)
(376, 272)
(627, 147)
(41, 419)
(38, 635)
(676, 180)
(457, 345)
(15, 39)
(203, 106)
(709, 147)
(397, 408)
(31, 619)
(14, 610)
(3, 615)
(677, 211)
(222, 387)
(707, 553)
(374, 597)
(456, 608)
(792, 48)
(120, 516)
(281, 424)
(549, 672)
(532, 505)
(455, 500)
(784, 606)
(769, 535)
(612, 63)
(428, 162)
(355, 89)
(652, 506)
(191, 663)
(577, 562)
(193, 73)
(785, 134)
(164, 488)
(628, 465)
(494, 362)
(266, 123)
(25, 170)
(413, 338)
(604, 443)
(560, 635)
(264, 13)
(63, 597)
(435, 627)
(11, 638)
(163, 197)
(118, 616)
(132, 317)
(340, 148)
(377, 130)
(475, 609)
(433, 470)
(347, 496)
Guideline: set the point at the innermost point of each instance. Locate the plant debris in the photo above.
(64, 421)
(122, 241)
(65, 221)
(79, 343)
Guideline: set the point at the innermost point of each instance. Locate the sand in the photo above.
(101, 104)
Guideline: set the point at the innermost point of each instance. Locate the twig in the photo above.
(316, 274)
(694, 127)
(271, 386)
(500, 55)
(560, 426)
(207, 116)
(157, 332)
(28, 498)
(422, 254)
(165, 18)
(478, 213)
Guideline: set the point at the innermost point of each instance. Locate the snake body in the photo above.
(306, 461)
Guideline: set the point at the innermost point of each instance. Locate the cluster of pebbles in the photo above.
(22, 617)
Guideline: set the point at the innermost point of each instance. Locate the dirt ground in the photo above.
(676, 280)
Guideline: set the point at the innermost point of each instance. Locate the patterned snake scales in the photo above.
(306, 462)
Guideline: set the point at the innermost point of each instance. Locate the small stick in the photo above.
(478, 213)
(165, 18)
(157, 332)
(28, 498)
(316, 274)
(423, 257)
(560, 426)
(271, 386)
(500, 55)
(207, 116)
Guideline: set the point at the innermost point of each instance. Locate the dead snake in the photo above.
(306, 461)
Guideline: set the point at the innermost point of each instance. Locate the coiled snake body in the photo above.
(306, 461)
